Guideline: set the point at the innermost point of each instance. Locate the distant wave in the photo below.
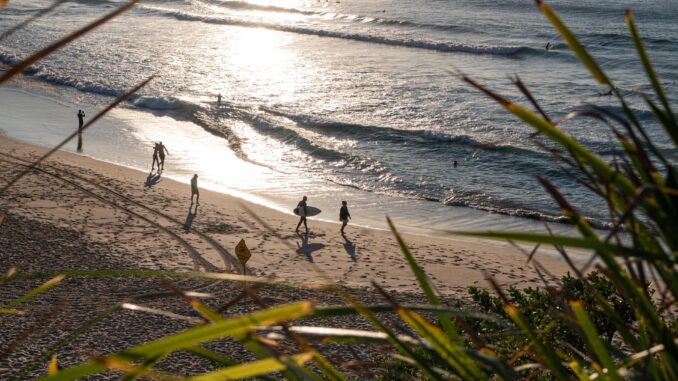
(405, 42)
(361, 19)
(243, 5)
(521, 212)
(473, 200)
(394, 135)
(142, 101)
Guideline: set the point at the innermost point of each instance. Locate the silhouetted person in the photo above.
(161, 154)
(156, 159)
(344, 215)
(455, 164)
(81, 118)
(301, 206)
(548, 45)
(194, 190)
(219, 100)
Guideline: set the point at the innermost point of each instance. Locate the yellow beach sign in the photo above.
(242, 252)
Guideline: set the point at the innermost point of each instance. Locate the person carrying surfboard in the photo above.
(344, 215)
(303, 212)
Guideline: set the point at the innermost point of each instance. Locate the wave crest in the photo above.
(441, 46)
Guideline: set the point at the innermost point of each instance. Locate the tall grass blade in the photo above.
(216, 358)
(594, 341)
(579, 371)
(566, 241)
(191, 337)
(42, 288)
(451, 353)
(142, 368)
(574, 44)
(444, 317)
(71, 136)
(19, 67)
(252, 369)
(29, 20)
(53, 366)
(671, 127)
(545, 352)
(52, 350)
(227, 327)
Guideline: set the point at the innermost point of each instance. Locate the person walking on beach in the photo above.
(156, 160)
(81, 118)
(194, 190)
(301, 206)
(344, 215)
(161, 153)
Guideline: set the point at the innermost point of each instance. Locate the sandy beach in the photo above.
(148, 219)
(77, 213)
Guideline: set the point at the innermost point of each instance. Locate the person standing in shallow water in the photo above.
(301, 206)
(161, 153)
(194, 190)
(156, 160)
(81, 119)
(344, 215)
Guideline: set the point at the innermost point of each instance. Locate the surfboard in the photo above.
(310, 210)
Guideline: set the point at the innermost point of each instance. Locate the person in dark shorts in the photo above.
(161, 154)
(344, 215)
(194, 190)
(301, 206)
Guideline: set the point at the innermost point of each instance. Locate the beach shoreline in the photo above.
(324, 246)
(125, 136)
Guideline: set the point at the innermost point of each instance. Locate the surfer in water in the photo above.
(302, 213)
(344, 215)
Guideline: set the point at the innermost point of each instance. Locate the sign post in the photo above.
(243, 253)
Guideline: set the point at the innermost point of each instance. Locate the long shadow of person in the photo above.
(189, 218)
(349, 246)
(307, 248)
(152, 179)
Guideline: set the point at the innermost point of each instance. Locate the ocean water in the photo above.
(353, 99)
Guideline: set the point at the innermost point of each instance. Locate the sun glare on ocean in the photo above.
(265, 63)
(278, 3)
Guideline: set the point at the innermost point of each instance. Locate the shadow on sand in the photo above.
(307, 248)
(349, 246)
(152, 179)
(189, 218)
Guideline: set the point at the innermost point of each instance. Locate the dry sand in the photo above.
(79, 213)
